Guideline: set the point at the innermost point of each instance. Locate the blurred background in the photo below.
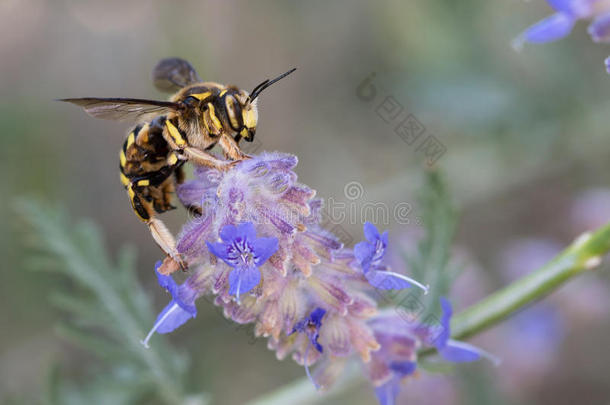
(522, 138)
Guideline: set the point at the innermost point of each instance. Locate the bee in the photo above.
(169, 133)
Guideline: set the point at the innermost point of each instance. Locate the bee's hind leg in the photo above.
(145, 211)
(166, 241)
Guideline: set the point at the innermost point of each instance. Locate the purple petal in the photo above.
(172, 317)
(599, 29)
(316, 317)
(370, 232)
(445, 333)
(385, 239)
(166, 282)
(228, 233)
(607, 63)
(246, 231)
(388, 392)
(460, 352)
(223, 252)
(263, 249)
(243, 279)
(316, 344)
(550, 29)
(576, 8)
(404, 368)
(363, 252)
(384, 281)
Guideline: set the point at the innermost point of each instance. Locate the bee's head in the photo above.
(249, 116)
(248, 107)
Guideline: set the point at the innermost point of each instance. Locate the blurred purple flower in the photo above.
(590, 210)
(522, 256)
(400, 340)
(530, 342)
(560, 24)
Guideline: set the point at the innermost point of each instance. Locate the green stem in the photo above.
(582, 255)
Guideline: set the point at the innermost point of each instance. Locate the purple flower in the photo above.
(371, 251)
(370, 254)
(400, 337)
(453, 350)
(311, 327)
(560, 24)
(395, 360)
(388, 392)
(180, 309)
(244, 252)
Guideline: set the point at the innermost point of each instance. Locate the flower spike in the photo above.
(309, 295)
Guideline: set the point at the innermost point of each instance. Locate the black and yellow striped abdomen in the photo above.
(149, 169)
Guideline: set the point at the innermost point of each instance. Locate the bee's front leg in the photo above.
(203, 158)
(231, 148)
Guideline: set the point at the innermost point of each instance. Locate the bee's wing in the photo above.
(171, 74)
(124, 109)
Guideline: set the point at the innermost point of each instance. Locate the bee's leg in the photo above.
(203, 158)
(177, 140)
(146, 212)
(231, 148)
(165, 240)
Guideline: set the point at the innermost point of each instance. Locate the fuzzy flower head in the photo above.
(259, 249)
(567, 13)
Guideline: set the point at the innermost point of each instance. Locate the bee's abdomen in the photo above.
(147, 166)
(144, 151)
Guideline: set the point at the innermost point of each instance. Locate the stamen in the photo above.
(237, 292)
(307, 367)
(157, 324)
(466, 346)
(425, 288)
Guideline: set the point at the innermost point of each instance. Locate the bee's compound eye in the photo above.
(191, 101)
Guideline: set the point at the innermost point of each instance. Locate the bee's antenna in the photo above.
(262, 86)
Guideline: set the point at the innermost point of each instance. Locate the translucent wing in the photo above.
(172, 74)
(124, 109)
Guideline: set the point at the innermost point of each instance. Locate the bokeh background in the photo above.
(526, 158)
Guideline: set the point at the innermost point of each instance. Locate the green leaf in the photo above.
(109, 313)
